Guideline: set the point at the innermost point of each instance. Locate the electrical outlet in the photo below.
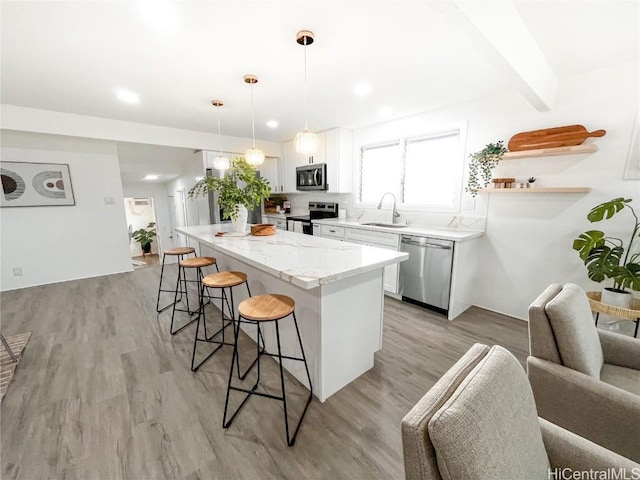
(17, 271)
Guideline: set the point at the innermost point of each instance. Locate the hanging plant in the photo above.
(481, 165)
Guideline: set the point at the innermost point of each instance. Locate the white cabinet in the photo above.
(290, 160)
(330, 231)
(339, 160)
(279, 222)
(390, 241)
(270, 170)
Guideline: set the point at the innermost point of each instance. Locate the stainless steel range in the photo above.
(317, 210)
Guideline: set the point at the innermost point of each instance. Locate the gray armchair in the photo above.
(479, 421)
(584, 379)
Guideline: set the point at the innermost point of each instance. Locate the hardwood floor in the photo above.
(104, 391)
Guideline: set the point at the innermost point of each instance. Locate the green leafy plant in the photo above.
(144, 236)
(482, 164)
(239, 185)
(607, 257)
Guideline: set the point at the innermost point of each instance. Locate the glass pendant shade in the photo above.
(221, 163)
(306, 143)
(254, 156)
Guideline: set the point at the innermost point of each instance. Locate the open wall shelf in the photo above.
(547, 152)
(537, 190)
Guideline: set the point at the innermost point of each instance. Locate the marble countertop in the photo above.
(422, 231)
(303, 260)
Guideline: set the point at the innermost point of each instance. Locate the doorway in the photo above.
(141, 215)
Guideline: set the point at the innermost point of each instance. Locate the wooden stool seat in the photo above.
(224, 279)
(180, 251)
(264, 308)
(197, 262)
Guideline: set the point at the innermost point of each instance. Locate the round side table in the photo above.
(631, 314)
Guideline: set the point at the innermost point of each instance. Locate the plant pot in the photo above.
(146, 248)
(239, 224)
(616, 297)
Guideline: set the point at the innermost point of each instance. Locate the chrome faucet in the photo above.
(395, 215)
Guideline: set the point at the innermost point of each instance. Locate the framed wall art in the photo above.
(632, 169)
(35, 184)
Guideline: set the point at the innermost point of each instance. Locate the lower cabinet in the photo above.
(390, 241)
(279, 222)
(330, 231)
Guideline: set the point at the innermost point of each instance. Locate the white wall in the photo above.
(157, 191)
(529, 236)
(54, 244)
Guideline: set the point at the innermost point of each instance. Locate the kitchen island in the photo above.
(337, 287)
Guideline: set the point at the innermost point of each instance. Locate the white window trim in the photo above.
(417, 208)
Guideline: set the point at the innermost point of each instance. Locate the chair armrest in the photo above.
(620, 350)
(568, 450)
(602, 413)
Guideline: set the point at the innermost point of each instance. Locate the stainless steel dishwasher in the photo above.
(425, 278)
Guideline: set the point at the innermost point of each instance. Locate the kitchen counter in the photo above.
(303, 260)
(444, 234)
(337, 288)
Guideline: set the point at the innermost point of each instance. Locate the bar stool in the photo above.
(259, 309)
(194, 262)
(222, 281)
(180, 252)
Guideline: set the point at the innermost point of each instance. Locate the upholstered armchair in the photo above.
(584, 379)
(479, 421)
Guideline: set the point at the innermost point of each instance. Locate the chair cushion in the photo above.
(575, 331)
(622, 377)
(419, 456)
(489, 427)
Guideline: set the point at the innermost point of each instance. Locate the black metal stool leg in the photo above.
(635, 335)
(160, 289)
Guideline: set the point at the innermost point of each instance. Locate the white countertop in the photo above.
(444, 234)
(303, 260)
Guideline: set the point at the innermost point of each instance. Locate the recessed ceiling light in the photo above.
(127, 96)
(362, 89)
(385, 111)
(151, 177)
(272, 124)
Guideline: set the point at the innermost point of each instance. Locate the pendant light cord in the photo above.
(306, 112)
(253, 123)
(219, 135)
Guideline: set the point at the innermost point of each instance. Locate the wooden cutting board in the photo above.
(552, 137)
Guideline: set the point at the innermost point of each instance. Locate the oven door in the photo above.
(311, 177)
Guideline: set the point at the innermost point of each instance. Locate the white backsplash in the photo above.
(300, 206)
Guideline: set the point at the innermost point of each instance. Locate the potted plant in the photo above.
(238, 189)
(607, 257)
(144, 237)
(482, 164)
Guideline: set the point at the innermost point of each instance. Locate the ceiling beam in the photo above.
(498, 32)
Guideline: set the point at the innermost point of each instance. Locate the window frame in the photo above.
(403, 141)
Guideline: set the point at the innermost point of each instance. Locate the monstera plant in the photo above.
(609, 257)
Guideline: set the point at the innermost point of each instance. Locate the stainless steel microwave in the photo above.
(311, 177)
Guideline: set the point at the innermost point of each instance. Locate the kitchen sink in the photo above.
(388, 225)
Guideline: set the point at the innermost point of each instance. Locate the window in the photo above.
(423, 172)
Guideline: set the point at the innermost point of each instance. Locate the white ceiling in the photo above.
(72, 56)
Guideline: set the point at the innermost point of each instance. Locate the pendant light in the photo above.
(305, 142)
(220, 162)
(254, 155)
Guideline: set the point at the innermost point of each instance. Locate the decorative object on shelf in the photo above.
(531, 182)
(27, 184)
(254, 155)
(566, 136)
(607, 257)
(220, 162)
(232, 197)
(503, 182)
(144, 236)
(305, 142)
(519, 185)
(481, 165)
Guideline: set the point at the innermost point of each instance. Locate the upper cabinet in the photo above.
(270, 170)
(334, 148)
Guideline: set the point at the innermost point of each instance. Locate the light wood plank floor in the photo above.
(103, 391)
